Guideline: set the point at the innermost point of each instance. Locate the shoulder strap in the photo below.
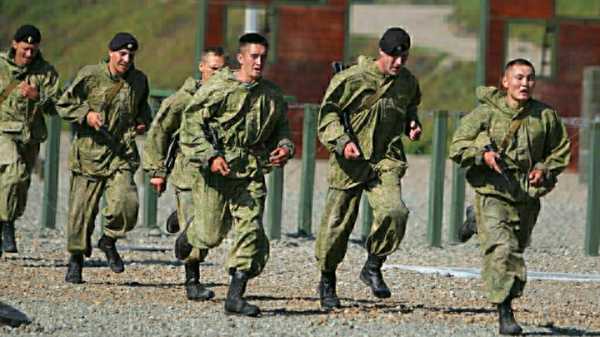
(111, 94)
(369, 102)
(9, 88)
(512, 130)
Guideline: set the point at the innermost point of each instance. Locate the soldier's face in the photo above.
(120, 61)
(210, 64)
(391, 65)
(519, 81)
(25, 52)
(252, 59)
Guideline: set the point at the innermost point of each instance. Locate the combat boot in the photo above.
(108, 246)
(327, 295)
(371, 276)
(469, 227)
(506, 319)
(193, 289)
(235, 303)
(9, 245)
(183, 248)
(74, 269)
(172, 223)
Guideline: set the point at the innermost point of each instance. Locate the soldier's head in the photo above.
(393, 51)
(213, 59)
(25, 44)
(519, 81)
(252, 56)
(121, 53)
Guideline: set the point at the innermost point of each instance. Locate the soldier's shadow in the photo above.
(562, 331)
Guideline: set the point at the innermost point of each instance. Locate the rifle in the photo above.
(172, 151)
(213, 138)
(337, 67)
(501, 163)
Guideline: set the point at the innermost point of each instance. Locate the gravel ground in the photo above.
(148, 299)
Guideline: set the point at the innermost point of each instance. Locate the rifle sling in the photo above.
(512, 130)
(9, 88)
(112, 93)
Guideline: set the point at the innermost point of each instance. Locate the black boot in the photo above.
(183, 248)
(74, 269)
(371, 276)
(469, 227)
(506, 319)
(172, 223)
(327, 295)
(9, 245)
(235, 303)
(88, 246)
(108, 246)
(193, 289)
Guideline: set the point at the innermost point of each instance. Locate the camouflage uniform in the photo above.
(99, 165)
(506, 211)
(251, 121)
(378, 172)
(22, 129)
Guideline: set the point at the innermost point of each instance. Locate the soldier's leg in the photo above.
(341, 210)
(84, 196)
(390, 215)
(121, 214)
(250, 250)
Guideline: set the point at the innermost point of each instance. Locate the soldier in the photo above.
(366, 110)
(164, 131)
(29, 88)
(513, 147)
(161, 134)
(234, 131)
(108, 103)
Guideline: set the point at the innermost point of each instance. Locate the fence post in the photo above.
(274, 203)
(590, 104)
(150, 201)
(307, 178)
(51, 164)
(436, 179)
(367, 218)
(592, 226)
(457, 199)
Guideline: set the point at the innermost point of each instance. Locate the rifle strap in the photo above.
(112, 93)
(377, 95)
(512, 130)
(9, 88)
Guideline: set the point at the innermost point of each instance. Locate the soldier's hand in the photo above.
(158, 183)
(29, 90)
(219, 165)
(489, 158)
(536, 177)
(351, 151)
(415, 131)
(140, 129)
(94, 119)
(279, 156)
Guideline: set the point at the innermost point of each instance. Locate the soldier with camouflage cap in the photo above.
(234, 131)
(108, 102)
(29, 88)
(365, 112)
(164, 127)
(513, 147)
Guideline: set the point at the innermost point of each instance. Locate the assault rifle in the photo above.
(172, 151)
(501, 163)
(213, 138)
(337, 67)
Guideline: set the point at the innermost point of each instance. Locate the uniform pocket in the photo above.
(8, 150)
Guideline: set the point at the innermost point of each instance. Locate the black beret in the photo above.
(123, 41)
(395, 41)
(29, 34)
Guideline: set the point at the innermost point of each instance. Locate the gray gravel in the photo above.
(148, 299)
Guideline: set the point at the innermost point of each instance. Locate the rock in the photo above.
(11, 316)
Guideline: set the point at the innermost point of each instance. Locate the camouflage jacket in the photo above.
(22, 119)
(249, 119)
(378, 128)
(540, 142)
(165, 126)
(93, 153)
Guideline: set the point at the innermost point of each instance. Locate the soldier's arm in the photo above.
(557, 147)
(330, 129)
(412, 108)
(144, 112)
(49, 92)
(467, 146)
(281, 136)
(72, 106)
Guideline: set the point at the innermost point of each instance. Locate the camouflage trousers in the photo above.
(185, 215)
(390, 215)
(222, 204)
(16, 164)
(121, 209)
(504, 230)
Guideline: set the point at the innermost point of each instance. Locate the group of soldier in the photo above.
(231, 129)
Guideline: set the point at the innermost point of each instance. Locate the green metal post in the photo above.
(51, 164)
(367, 218)
(102, 205)
(484, 12)
(590, 104)
(201, 14)
(457, 199)
(436, 179)
(150, 203)
(592, 226)
(274, 203)
(307, 179)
